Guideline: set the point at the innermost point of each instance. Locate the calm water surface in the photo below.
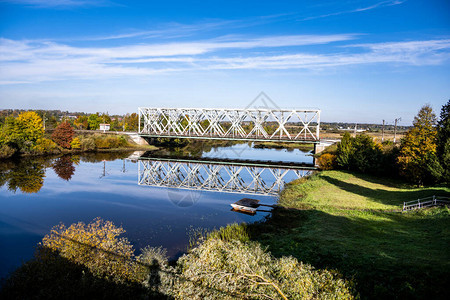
(38, 193)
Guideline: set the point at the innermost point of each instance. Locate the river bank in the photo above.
(351, 223)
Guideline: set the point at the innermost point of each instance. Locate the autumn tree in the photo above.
(131, 122)
(443, 141)
(81, 122)
(106, 119)
(418, 148)
(22, 132)
(63, 135)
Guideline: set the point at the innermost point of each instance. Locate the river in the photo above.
(157, 202)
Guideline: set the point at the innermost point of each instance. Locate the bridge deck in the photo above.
(283, 139)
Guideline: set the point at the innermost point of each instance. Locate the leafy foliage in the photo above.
(81, 122)
(219, 269)
(94, 121)
(29, 126)
(443, 141)
(326, 161)
(131, 122)
(75, 143)
(22, 132)
(63, 135)
(418, 148)
(6, 151)
(88, 144)
(344, 151)
(44, 146)
(360, 154)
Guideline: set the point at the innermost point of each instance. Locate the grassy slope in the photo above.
(346, 222)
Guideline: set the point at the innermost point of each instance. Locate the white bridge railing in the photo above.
(220, 177)
(426, 202)
(236, 124)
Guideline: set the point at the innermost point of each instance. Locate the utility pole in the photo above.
(395, 128)
(382, 133)
(356, 124)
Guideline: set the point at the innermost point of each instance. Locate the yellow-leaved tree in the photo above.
(29, 125)
(418, 148)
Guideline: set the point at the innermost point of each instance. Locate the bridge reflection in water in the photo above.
(247, 177)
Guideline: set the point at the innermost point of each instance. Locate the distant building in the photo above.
(105, 127)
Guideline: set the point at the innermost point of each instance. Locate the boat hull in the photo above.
(244, 208)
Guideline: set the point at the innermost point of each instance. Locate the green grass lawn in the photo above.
(338, 189)
(351, 223)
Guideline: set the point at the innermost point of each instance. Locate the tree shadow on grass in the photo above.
(384, 196)
(388, 255)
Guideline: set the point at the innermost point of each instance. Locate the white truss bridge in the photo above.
(229, 177)
(282, 125)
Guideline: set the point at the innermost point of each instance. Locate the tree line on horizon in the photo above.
(26, 135)
(78, 120)
(422, 158)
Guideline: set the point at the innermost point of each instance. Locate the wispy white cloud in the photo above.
(34, 61)
(356, 10)
(11, 50)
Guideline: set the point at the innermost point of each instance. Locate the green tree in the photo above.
(94, 121)
(418, 148)
(344, 151)
(443, 141)
(365, 155)
(106, 119)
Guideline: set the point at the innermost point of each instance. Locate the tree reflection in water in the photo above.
(27, 173)
(64, 167)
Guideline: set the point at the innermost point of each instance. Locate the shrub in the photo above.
(88, 144)
(231, 232)
(101, 142)
(232, 269)
(6, 151)
(122, 141)
(326, 161)
(76, 143)
(112, 142)
(63, 135)
(44, 145)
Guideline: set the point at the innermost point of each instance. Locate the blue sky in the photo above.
(358, 61)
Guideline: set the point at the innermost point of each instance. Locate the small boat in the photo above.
(246, 205)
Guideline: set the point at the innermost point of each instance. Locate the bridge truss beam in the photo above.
(229, 178)
(234, 124)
